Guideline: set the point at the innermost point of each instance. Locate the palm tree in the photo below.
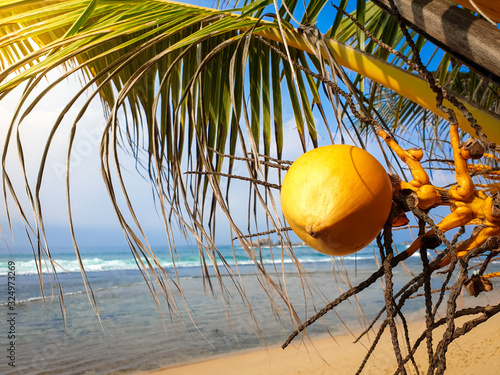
(197, 90)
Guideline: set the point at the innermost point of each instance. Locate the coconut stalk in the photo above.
(398, 80)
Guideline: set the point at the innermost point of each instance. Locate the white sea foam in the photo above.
(28, 267)
(186, 258)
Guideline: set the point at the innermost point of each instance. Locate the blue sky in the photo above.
(94, 217)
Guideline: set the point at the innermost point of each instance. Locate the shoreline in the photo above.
(474, 353)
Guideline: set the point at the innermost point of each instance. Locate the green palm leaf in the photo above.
(193, 87)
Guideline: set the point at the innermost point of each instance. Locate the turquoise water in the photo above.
(117, 259)
(134, 332)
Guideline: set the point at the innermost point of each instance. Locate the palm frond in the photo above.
(184, 86)
(449, 72)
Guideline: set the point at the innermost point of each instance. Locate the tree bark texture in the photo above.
(470, 39)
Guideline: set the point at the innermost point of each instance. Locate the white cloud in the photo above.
(91, 205)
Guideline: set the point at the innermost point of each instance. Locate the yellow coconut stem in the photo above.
(476, 240)
(465, 187)
(410, 158)
(398, 80)
(401, 81)
(491, 275)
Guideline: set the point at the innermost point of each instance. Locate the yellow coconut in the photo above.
(336, 198)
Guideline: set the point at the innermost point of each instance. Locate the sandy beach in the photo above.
(478, 352)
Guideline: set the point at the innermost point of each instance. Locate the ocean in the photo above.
(134, 332)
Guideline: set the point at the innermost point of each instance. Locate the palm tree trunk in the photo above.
(463, 35)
